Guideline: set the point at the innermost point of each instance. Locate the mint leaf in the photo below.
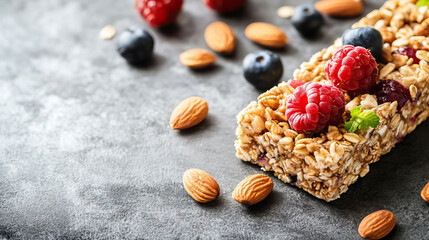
(351, 126)
(362, 120)
(363, 124)
(372, 118)
(356, 110)
(422, 3)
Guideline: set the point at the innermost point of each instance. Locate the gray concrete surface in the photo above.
(86, 151)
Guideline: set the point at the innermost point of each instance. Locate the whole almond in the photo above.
(200, 185)
(377, 225)
(266, 34)
(340, 8)
(188, 113)
(220, 37)
(253, 189)
(425, 193)
(197, 58)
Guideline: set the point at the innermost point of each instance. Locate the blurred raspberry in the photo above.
(295, 82)
(159, 12)
(314, 106)
(352, 69)
(224, 6)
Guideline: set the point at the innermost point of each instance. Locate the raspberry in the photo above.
(295, 82)
(314, 106)
(224, 6)
(409, 52)
(352, 69)
(390, 91)
(159, 12)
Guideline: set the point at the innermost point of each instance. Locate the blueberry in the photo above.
(263, 69)
(135, 45)
(307, 20)
(366, 37)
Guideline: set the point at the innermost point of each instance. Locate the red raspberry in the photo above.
(159, 12)
(224, 6)
(314, 106)
(352, 69)
(295, 82)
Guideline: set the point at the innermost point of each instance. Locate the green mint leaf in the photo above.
(372, 118)
(362, 120)
(356, 110)
(364, 124)
(351, 126)
(422, 3)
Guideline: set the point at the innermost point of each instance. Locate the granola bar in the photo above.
(326, 165)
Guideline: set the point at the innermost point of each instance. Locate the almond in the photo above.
(253, 189)
(220, 37)
(425, 193)
(197, 58)
(188, 113)
(340, 8)
(266, 34)
(200, 185)
(377, 224)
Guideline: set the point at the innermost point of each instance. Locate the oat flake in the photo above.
(108, 32)
(285, 11)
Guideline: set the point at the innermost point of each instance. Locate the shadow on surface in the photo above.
(155, 61)
(204, 125)
(207, 70)
(265, 205)
(218, 202)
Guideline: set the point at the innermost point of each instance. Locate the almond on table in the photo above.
(425, 193)
(340, 8)
(220, 37)
(266, 34)
(197, 58)
(189, 113)
(253, 189)
(377, 225)
(200, 185)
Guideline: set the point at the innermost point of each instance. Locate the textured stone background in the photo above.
(86, 151)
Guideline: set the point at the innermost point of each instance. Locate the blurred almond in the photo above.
(253, 189)
(377, 225)
(197, 58)
(266, 34)
(340, 8)
(425, 193)
(220, 37)
(200, 185)
(188, 113)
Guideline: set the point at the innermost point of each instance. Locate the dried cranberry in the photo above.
(413, 119)
(400, 138)
(263, 158)
(409, 52)
(390, 91)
